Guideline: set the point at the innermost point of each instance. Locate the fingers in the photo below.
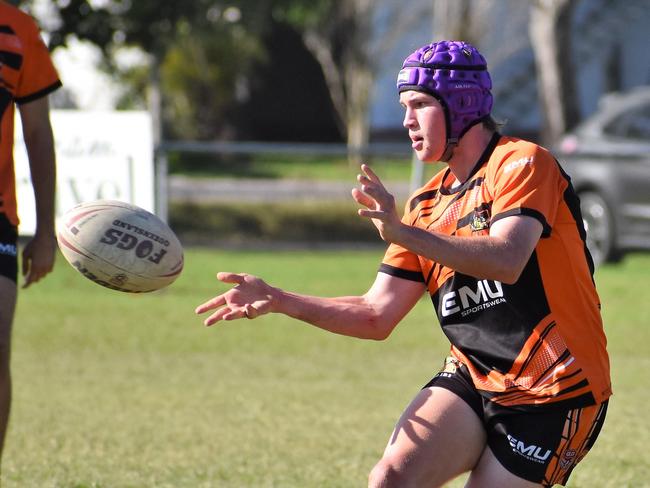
(229, 305)
(371, 214)
(370, 173)
(250, 312)
(249, 298)
(25, 264)
(237, 278)
(211, 304)
(226, 313)
(28, 273)
(371, 183)
(33, 272)
(362, 198)
(29, 279)
(373, 195)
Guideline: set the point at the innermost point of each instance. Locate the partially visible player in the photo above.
(496, 239)
(27, 76)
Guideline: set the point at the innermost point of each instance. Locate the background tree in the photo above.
(190, 50)
(196, 54)
(344, 37)
(204, 57)
(550, 34)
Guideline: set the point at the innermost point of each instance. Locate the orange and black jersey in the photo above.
(26, 74)
(539, 340)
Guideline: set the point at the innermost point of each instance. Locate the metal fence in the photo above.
(190, 188)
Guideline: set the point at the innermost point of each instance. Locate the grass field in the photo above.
(288, 166)
(114, 390)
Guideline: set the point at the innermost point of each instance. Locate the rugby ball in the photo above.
(120, 246)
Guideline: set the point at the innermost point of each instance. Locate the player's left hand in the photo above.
(379, 203)
(249, 298)
(38, 257)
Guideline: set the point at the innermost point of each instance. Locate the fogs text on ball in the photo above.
(120, 246)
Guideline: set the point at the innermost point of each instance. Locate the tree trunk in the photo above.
(550, 30)
(451, 20)
(154, 102)
(359, 84)
(320, 47)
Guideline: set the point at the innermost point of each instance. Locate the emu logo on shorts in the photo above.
(8, 249)
(531, 452)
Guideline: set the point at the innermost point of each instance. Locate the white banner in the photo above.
(100, 155)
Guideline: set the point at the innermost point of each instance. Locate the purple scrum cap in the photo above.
(456, 74)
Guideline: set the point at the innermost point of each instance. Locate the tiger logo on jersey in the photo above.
(480, 220)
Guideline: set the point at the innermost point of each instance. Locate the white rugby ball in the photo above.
(120, 246)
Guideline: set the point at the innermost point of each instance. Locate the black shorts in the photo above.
(541, 445)
(8, 249)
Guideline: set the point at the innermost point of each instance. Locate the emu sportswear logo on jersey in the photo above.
(467, 300)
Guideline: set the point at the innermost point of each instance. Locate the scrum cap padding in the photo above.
(456, 74)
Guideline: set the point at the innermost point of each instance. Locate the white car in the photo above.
(608, 159)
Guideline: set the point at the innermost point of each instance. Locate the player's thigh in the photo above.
(489, 472)
(7, 306)
(8, 277)
(438, 437)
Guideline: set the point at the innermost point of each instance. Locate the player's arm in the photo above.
(371, 316)
(501, 255)
(39, 253)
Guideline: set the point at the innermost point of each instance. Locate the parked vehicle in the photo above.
(608, 159)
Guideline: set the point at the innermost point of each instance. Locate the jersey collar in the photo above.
(483, 158)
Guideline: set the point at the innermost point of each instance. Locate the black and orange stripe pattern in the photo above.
(581, 429)
(540, 340)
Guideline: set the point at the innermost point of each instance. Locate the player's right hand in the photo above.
(379, 204)
(249, 298)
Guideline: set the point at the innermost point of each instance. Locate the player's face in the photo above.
(424, 118)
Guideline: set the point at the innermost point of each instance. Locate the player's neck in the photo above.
(469, 149)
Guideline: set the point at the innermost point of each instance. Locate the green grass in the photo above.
(236, 223)
(115, 390)
(301, 167)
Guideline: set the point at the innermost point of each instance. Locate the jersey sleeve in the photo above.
(38, 75)
(399, 261)
(527, 182)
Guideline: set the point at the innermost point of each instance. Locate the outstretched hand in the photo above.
(379, 203)
(249, 298)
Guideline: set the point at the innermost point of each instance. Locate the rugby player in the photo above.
(497, 240)
(27, 77)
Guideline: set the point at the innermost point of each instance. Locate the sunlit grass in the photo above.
(115, 390)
